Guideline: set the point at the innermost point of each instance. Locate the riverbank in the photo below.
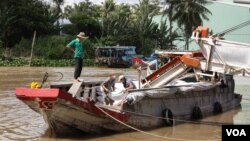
(40, 62)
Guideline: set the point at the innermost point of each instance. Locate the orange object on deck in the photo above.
(203, 31)
(173, 69)
(189, 61)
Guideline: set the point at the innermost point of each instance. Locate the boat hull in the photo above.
(66, 114)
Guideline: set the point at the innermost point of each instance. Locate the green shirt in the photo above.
(78, 48)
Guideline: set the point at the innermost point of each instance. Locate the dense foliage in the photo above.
(106, 24)
(40, 62)
(21, 18)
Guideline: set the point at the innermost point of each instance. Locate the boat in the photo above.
(65, 113)
(115, 56)
(168, 96)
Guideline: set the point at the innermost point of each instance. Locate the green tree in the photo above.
(3, 3)
(189, 14)
(166, 36)
(116, 24)
(119, 26)
(6, 20)
(20, 19)
(169, 12)
(144, 25)
(122, 24)
(58, 11)
(86, 7)
(58, 3)
(83, 17)
(108, 9)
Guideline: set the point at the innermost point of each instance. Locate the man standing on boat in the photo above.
(77, 48)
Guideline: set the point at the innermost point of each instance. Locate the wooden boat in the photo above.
(144, 109)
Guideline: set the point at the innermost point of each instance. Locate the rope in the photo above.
(60, 77)
(147, 133)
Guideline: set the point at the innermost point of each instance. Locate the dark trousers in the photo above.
(78, 67)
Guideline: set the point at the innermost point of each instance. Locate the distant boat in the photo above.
(115, 56)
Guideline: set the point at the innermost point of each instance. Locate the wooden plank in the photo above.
(60, 84)
(93, 94)
(75, 89)
(92, 82)
(82, 92)
(86, 93)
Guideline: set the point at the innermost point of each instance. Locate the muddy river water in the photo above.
(18, 122)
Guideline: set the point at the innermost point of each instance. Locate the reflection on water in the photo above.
(18, 122)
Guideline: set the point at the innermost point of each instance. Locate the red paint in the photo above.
(197, 54)
(44, 97)
(47, 97)
(33, 93)
(136, 60)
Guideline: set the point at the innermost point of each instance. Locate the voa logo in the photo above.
(236, 132)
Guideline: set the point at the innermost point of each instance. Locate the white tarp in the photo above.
(180, 87)
(174, 87)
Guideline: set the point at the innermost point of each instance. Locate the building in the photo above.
(225, 14)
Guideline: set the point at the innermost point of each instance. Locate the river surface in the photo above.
(18, 122)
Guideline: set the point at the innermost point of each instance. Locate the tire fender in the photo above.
(167, 117)
(196, 113)
(217, 108)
